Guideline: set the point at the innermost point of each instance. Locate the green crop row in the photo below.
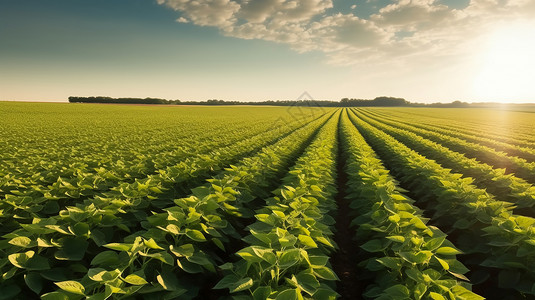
(286, 256)
(407, 258)
(500, 125)
(505, 187)
(175, 180)
(484, 226)
(513, 164)
(124, 245)
(68, 184)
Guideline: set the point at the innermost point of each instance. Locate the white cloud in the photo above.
(306, 25)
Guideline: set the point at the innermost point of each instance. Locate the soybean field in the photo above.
(240, 202)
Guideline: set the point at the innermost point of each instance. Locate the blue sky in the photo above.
(422, 50)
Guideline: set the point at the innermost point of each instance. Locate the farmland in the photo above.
(151, 202)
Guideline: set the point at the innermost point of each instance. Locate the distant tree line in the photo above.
(100, 99)
(344, 102)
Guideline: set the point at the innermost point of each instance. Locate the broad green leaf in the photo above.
(398, 291)
(105, 258)
(34, 281)
(183, 250)
(447, 251)
(465, 294)
(151, 243)
(307, 241)
(373, 246)
(307, 282)
(20, 260)
(22, 241)
(262, 293)
(289, 258)
(396, 238)
(195, 235)
(119, 246)
(242, 284)
(325, 273)
(71, 286)
(169, 281)
(443, 263)
(227, 282)
(289, 294)
(135, 279)
(55, 296)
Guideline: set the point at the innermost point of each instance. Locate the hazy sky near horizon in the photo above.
(422, 50)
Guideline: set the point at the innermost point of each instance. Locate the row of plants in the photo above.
(405, 257)
(526, 153)
(505, 186)
(519, 166)
(133, 243)
(126, 155)
(287, 250)
(163, 186)
(508, 132)
(477, 223)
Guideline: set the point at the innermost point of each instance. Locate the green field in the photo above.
(190, 202)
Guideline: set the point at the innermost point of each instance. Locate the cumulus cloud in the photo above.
(401, 29)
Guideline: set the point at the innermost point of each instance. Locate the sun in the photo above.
(508, 69)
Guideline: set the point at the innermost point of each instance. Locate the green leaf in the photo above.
(71, 286)
(119, 246)
(414, 274)
(396, 238)
(195, 235)
(436, 296)
(80, 229)
(99, 274)
(226, 282)
(183, 250)
(307, 282)
(373, 246)
(325, 294)
(169, 281)
(242, 284)
(249, 255)
(151, 243)
(34, 281)
(20, 260)
(318, 260)
(22, 241)
(262, 293)
(73, 248)
(443, 263)
(434, 243)
(307, 241)
(105, 258)
(461, 292)
(390, 262)
(289, 294)
(289, 258)
(325, 273)
(398, 291)
(447, 251)
(324, 241)
(135, 280)
(54, 296)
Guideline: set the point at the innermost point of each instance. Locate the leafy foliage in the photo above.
(408, 259)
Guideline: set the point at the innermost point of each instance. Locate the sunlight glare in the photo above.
(509, 65)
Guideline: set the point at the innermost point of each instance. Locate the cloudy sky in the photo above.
(422, 50)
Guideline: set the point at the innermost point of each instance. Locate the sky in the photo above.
(248, 50)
